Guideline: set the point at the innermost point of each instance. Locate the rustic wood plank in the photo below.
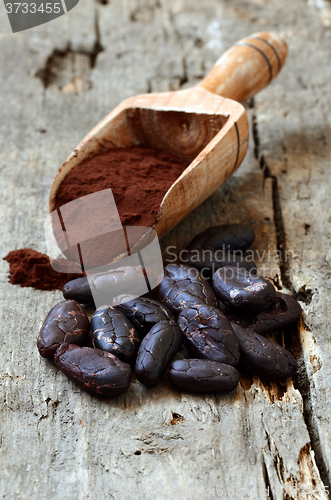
(59, 442)
(297, 154)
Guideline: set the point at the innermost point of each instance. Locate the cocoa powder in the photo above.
(139, 178)
(30, 268)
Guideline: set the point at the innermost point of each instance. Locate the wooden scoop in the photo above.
(198, 124)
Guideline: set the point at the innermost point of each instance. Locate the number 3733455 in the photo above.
(31, 8)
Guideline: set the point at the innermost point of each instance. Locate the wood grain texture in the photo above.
(247, 67)
(297, 156)
(59, 442)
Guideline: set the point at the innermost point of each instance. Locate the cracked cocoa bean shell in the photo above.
(113, 332)
(209, 334)
(240, 289)
(264, 357)
(157, 350)
(96, 371)
(203, 376)
(225, 237)
(143, 312)
(66, 322)
(182, 287)
(285, 310)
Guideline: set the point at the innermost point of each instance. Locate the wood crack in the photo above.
(303, 383)
(256, 137)
(303, 294)
(266, 481)
(184, 78)
(70, 69)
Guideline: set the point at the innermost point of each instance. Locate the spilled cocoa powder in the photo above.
(139, 178)
(30, 268)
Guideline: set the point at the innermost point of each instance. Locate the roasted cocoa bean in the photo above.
(238, 288)
(157, 350)
(283, 312)
(143, 312)
(224, 237)
(117, 281)
(182, 287)
(203, 376)
(66, 322)
(263, 357)
(113, 332)
(94, 370)
(78, 290)
(209, 334)
(286, 310)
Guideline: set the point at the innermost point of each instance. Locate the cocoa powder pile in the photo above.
(139, 178)
(31, 268)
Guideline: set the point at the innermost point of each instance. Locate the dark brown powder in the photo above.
(30, 268)
(139, 178)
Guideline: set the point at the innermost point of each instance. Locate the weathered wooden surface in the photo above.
(59, 442)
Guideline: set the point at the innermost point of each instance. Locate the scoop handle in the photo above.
(249, 66)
